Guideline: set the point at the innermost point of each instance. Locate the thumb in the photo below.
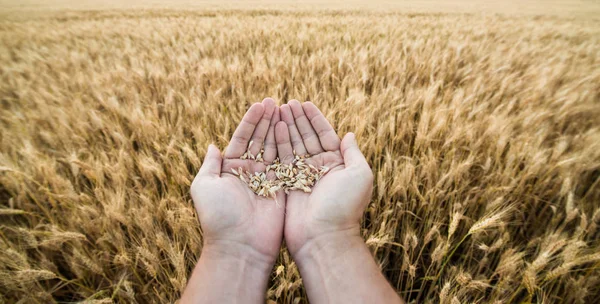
(212, 162)
(351, 152)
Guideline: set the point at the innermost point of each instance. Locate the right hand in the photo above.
(335, 206)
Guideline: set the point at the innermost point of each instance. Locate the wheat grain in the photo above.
(106, 115)
(32, 275)
(288, 177)
(491, 220)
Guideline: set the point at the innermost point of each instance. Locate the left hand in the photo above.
(232, 217)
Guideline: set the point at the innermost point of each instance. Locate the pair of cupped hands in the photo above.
(236, 221)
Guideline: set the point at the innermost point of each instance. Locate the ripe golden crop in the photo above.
(482, 130)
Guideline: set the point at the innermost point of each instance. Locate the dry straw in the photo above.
(481, 130)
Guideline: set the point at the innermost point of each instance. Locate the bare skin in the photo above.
(322, 228)
(243, 232)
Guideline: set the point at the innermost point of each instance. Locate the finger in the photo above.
(327, 136)
(351, 152)
(309, 136)
(262, 128)
(212, 162)
(241, 137)
(284, 146)
(295, 137)
(270, 143)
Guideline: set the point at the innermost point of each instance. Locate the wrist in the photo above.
(338, 267)
(328, 246)
(228, 272)
(234, 253)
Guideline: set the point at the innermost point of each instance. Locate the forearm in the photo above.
(228, 274)
(341, 270)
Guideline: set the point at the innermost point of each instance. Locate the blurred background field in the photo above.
(569, 8)
(480, 119)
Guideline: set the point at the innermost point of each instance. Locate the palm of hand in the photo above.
(228, 210)
(315, 210)
(232, 212)
(337, 200)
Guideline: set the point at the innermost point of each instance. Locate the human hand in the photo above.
(334, 207)
(243, 231)
(234, 219)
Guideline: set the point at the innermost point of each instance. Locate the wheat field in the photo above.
(482, 130)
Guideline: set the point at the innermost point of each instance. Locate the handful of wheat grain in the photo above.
(298, 175)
